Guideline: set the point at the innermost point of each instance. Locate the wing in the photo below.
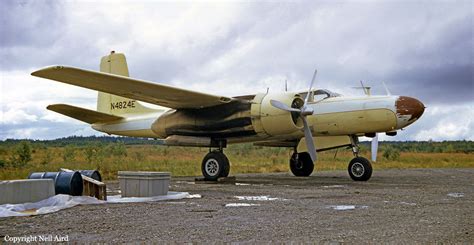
(154, 93)
(81, 114)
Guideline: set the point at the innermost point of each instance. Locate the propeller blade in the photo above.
(386, 88)
(282, 106)
(374, 146)
(309, 140)
(310, 86)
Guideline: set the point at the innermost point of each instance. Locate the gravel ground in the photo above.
(401, 206)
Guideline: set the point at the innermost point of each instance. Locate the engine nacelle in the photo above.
(277, 122)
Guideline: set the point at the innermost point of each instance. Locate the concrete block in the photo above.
(23, 191)
(144, 184)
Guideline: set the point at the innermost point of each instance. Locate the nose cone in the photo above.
(408, 110)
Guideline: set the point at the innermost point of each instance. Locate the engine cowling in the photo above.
(277, 122)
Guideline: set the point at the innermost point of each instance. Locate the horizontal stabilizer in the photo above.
(81, 114)
(154, 93)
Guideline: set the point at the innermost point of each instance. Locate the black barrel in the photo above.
(91, 174)
(69, 183)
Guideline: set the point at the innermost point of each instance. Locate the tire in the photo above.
(360, 169)
(226, 168)
(214, 165)
(304, 166)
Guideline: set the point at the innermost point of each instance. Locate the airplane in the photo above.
(307, 122)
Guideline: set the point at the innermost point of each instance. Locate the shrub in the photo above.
(139, 156)
(391, 154)
(69, 154)
(22, 155)
(118, 149)
(47, 158)
(94, 153)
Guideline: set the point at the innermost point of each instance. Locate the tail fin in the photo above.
(115, 63)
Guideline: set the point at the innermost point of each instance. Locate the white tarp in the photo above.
(61, 201)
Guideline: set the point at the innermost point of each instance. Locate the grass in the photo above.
(187, 161)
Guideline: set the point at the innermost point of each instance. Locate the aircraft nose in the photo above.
(409, 108)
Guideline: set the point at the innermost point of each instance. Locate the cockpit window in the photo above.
(320, 94)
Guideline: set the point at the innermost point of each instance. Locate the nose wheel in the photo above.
(214, 165)
(360, 169)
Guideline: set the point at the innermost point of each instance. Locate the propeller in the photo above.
(374, 146)
(302, 112)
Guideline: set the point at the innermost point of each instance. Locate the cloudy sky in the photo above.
(422, 49)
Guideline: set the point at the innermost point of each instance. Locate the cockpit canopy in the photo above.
(320, 94)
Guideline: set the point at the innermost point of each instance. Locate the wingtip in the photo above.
(39, 73)
(53, 106)
(35, 73)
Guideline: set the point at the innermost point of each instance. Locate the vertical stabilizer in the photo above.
(115, 63)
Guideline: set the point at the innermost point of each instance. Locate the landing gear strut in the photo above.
(215, 164)
(359, 168)
(301, 164)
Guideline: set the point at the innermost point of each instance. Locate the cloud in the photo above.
(422, 49)
(22, 21)
(17, 116)
(445, 123)
(23, 107)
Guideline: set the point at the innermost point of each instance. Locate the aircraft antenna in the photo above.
(386, 88)
(366, 89)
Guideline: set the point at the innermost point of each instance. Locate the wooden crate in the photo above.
(92, 187)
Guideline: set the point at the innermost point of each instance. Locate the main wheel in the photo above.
(301, 164)
(226, 168)
(214, 165)
(360, 169)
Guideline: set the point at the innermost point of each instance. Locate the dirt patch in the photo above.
(406, 206)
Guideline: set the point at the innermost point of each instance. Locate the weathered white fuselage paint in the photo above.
(332, 116)
(335, 116)
(132, 125)
(354, 115)
(346, 104)
(359, 104)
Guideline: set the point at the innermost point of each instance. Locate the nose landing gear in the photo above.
(360, 169)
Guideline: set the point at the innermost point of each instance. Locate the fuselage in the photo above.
(256, 120)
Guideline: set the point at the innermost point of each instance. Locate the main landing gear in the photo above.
(215, 165)
(301, 164)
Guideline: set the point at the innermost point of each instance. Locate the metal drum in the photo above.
(69, 183)
(91, 174)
